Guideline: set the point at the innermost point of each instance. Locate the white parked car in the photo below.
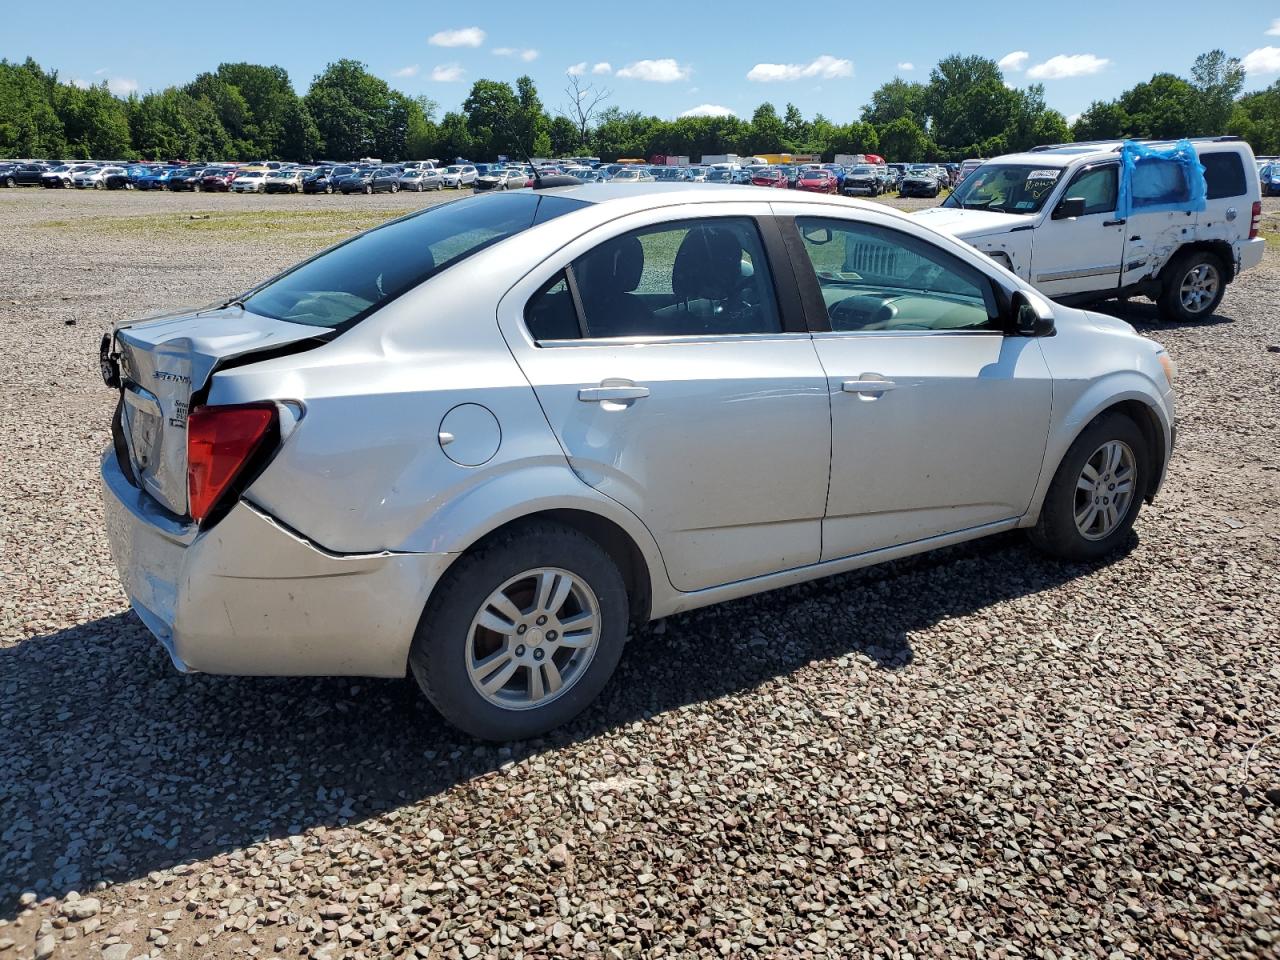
(1055, 218)
(96, 178)
(63, 173)
(250, 181)
(682, 395)
(458, 175)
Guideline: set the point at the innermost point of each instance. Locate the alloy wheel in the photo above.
(1199, 287)
(533, 638)
(1105, 489)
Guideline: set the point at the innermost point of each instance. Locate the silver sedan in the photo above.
(476, 443)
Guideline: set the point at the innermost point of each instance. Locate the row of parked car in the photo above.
(916, 179)
(423, 175)
(267, 177)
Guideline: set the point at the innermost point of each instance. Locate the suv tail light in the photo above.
(221, 442)
(1256, 223)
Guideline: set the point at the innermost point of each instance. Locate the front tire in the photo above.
(1096, 493)
(1194, 285)
(522, 633)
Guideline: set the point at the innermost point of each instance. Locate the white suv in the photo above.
(1082, 224)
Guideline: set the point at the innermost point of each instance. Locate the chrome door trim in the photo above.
(1079, 273)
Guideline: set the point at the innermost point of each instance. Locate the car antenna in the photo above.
(539, 181)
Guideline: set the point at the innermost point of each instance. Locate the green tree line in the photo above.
(244, 111)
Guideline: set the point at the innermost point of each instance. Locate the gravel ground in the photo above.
(974, 753)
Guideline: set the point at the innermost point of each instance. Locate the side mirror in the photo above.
(1069, 208)
(817, 235)
(1030, 316)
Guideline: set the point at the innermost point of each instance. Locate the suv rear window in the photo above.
(1223, 174)
(343, 285)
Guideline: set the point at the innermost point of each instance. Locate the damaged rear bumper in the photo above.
(251, 597)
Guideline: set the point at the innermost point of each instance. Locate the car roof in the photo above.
(1066, 153)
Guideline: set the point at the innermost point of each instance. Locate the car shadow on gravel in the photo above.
(112, 765)
(1145, 316)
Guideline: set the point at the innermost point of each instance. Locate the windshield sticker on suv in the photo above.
(1049, 175)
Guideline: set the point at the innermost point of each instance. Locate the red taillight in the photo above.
(1256, 223)
(220, 442)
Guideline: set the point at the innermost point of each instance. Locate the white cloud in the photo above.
(826, 67)
(578, 69)
(122, 86)
(665, 70)
(708, 110)
(447, 73)
(1015, 61)
(466, 37)
(410, 71)
(1071, 120)
(906, 66)
(101, 70)
(527, 56)
(1274, 29)
(1262, 60)
(603, 67)
(82, 84)
(1068, 65)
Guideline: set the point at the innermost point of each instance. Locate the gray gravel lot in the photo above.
(974, 753)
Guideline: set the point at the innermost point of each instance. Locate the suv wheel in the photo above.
(1193, 287)
(522, 633)
(1095, 496)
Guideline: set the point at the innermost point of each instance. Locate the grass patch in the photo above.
(281, 225)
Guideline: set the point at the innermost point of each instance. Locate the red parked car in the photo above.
(818, 181)
(218, 179)
(770, 177)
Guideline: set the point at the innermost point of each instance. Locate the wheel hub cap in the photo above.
(1104, 490)
(533, 638)
(1199, 287)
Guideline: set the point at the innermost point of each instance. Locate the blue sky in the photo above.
(664, 58)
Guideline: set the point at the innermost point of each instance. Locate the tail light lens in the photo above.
(1256, 223)
(221, 441)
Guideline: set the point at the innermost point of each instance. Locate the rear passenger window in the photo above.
(550, 315)
(691, 278)
(1223, 175)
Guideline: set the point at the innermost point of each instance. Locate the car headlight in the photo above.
(1170, 368)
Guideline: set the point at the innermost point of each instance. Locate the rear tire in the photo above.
(454, 654)
(1096, 492)
(1194, 284)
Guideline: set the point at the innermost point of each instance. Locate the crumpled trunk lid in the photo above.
(164, 361)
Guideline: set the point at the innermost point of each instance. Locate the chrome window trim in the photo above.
(673, 340)
(836, 334)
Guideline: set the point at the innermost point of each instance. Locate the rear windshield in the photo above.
(1223, 175)
(343, 285)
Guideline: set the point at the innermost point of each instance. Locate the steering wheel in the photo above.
(922, 275)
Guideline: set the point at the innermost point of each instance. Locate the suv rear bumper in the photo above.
(253, 598)
(1251, 252)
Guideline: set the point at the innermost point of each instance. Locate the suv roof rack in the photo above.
(1046, 147)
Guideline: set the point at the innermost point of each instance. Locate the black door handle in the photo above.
(1114, 223)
